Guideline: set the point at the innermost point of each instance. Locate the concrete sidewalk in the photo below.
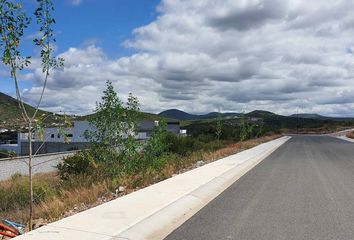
(346, 138)
(342, 135)
(155, 211)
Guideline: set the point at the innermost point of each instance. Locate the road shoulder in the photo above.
(155, 211)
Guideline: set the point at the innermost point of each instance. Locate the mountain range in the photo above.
(184, 116)
(10, 115)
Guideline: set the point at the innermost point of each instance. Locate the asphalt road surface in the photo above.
(304, 190)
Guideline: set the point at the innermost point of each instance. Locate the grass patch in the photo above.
(56, 197)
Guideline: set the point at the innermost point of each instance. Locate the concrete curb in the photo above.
(155, 211)
(162, 223)
(345, 138)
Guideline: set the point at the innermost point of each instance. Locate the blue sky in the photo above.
(200, 56)
(109, 22)
(105, 23)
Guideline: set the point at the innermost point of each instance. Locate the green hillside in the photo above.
(266, 122)
(10, 114)
(183, 116)
(10, 118)
(143, 116)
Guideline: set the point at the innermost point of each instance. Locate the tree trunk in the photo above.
(30, 175)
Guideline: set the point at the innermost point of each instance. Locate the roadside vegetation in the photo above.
(350, 134)
(57, 196)
(237, 128)
(6, 154)
(117, 163)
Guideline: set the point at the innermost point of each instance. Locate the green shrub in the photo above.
(7, 154)
(183, 145)
(16, 176)
(160, 162)
(80, 163)
(102, 162)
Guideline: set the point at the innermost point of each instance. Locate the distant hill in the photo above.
(9, 107)
(261, 114)
(143, 116)
(177, 114)
(319, 117)
(10, 114)
(307, 115)
(183, 116)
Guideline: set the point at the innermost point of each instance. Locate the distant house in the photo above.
(56, 140)
(146, 128)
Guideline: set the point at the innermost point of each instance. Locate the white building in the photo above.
(59, 140)
(57, 135)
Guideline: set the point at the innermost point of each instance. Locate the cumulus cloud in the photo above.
(201, 56)
(245, 14)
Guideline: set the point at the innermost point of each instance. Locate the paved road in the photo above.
(41, 164)
(304, 190)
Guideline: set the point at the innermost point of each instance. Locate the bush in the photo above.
(7, 154)
(102, 162)
(80, 163)
(182, 146)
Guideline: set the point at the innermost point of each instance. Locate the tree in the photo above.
(218, 130)
(131, 145)
(115, 126)
(108, 120)
(156, 145)
(243, 127)
(260, 130)
(13, 22)
(133, 114)
(246, 128)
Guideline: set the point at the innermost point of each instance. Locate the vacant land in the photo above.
(56, 198)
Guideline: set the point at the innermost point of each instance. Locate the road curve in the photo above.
(304, 190)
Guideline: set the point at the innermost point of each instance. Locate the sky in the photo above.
(199, 56)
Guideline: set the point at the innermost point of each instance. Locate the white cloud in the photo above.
(235, 55)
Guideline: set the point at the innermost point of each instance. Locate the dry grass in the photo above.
(59, 204)
(328, 129)
(78, 199)
(50, 178)
(81, 193)
(221, 153)
(14, 194)
(241, 146)
(350, 134)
